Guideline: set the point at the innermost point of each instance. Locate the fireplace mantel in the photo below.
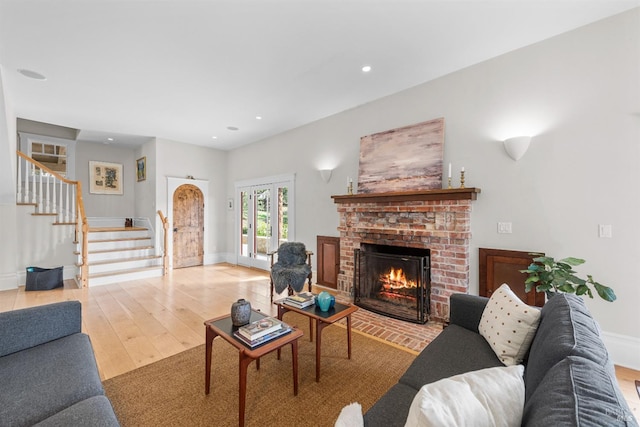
(409, 196)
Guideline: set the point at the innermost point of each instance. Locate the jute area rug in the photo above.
(170, 392)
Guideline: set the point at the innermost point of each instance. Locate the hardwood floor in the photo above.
(132, 324)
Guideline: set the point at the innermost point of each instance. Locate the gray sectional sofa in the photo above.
(569, 378)
(48, 372)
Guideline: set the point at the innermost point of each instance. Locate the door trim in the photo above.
(290, 179)
(172, 186)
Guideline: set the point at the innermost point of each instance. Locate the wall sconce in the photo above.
(325, 174)
(517, 146)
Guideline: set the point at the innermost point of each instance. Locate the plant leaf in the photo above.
(532, 268)
(567, 288)
(578, 281)
(544, 260)
(572, 261)
(605, 292)
(582, 289)
(543, 288)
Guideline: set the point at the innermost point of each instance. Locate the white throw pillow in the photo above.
(508, 325)
(350, 416)
(488, 397)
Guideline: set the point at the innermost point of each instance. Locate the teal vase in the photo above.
(324, 301)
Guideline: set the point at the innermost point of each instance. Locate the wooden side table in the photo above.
(322, 320)
(223, 327)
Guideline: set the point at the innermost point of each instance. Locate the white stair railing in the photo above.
(36, 185)
(50, 193)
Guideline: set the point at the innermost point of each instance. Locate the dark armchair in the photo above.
(292, 269)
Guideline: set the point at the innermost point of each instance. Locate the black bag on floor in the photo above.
(43, 279)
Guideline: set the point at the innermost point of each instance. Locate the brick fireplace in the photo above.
(438, 220)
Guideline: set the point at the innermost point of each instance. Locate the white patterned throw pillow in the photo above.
(508, 325)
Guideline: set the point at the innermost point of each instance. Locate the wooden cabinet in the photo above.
(328, 261)
(498, 266)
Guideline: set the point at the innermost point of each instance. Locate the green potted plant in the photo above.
(551, 276)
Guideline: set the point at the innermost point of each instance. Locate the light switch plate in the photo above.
(504, 228)
(605, 230)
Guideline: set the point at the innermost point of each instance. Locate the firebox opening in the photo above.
(393, 280)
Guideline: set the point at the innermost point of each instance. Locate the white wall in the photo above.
(8, 233)
(578, 94)
(42, 244)
(178, 160)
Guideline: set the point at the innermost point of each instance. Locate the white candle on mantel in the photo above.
(449, 170)
(462, 170)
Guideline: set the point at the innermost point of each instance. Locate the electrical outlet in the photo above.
(605, 230)
(504, 228)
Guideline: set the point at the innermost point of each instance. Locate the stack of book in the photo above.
(261, 331)
(302, 300)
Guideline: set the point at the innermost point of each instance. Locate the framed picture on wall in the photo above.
(105, 178)
(141, 168)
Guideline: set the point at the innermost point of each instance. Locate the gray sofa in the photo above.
(569, 378)
(48, 372)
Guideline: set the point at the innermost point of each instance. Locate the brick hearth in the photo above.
(437, 220)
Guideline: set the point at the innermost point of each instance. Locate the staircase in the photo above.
(106, 252)
(117, 254)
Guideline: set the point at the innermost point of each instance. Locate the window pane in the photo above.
(51, 156)
(244, 223)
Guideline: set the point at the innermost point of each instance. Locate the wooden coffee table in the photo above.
(223, 327)
(322, 319)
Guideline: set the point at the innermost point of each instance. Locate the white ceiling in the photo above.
(186, 70)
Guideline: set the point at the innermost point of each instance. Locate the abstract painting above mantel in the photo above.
(402, 159)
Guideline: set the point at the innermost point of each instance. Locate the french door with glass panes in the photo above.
(265, 219)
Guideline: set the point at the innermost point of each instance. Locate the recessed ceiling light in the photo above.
(258, 117)
(232, 128)
(32, 74)
(214, 137)
(366, 68)
(109, 139)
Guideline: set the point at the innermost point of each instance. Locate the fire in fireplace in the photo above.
(393, 280)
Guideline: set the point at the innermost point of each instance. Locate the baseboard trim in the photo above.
(216, 258)
(623, 349)
(8, 281)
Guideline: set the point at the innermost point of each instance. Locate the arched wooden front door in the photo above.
(188, 226)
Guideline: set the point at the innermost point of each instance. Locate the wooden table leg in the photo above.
(281, 312)
(349, 336)
(319, 327)
(244, 363)
(294, 357)
(210, 335)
